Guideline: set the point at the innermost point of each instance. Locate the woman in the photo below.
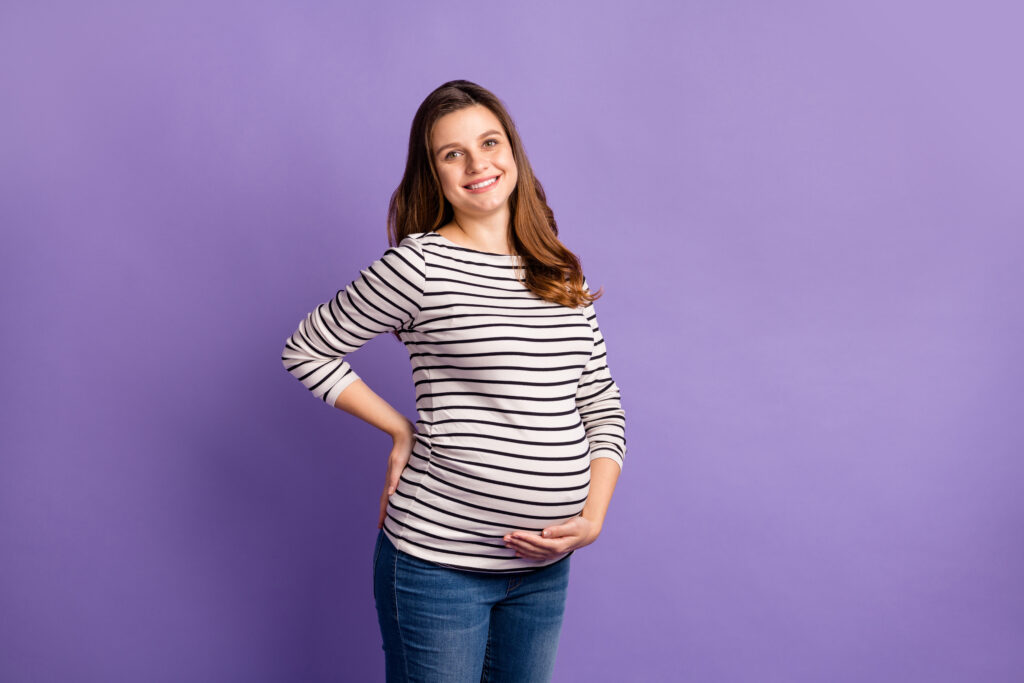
(521, 435)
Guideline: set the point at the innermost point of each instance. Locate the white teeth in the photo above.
(483, 184)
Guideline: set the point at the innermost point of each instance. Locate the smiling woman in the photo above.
(477, 173)
(520, 439)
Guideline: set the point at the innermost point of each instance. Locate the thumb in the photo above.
(393, 481)
(555, 531)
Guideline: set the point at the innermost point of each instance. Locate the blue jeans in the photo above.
(442, 625)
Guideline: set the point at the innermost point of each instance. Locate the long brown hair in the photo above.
(418, 204)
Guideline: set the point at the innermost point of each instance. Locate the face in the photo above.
(469, 147)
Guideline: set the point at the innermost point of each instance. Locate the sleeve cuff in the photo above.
(340, 386)
(609, 454)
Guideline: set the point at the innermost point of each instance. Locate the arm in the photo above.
(599, 402)
(360, 400)
(604, 473)
(600, 409)
(385, 297)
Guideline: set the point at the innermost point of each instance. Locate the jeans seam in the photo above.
(398, 622)
(485, 674)
(376, 558)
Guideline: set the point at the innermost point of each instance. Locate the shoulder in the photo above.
(417, 239)
(423, 245)
(410, 249)
(405, 261)
(413, 243)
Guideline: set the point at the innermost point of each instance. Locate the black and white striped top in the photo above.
(513, 393)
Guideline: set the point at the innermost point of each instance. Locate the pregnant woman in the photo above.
(521, 434)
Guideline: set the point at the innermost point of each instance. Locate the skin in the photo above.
(468, 146)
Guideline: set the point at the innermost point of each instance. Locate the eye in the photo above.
(487, 142)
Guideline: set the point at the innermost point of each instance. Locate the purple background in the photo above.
(807, 222)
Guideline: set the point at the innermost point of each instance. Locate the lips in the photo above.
(478, 182)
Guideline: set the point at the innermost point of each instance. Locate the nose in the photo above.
(475, 162)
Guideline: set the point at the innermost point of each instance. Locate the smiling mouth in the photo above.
(482, 184)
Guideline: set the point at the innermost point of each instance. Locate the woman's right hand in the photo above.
(397, 460)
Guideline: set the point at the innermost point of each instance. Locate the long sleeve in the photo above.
(386, 296)
(598, 400)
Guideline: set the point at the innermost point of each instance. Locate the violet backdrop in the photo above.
(806, 218)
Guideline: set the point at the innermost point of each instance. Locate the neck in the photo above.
(488, 233)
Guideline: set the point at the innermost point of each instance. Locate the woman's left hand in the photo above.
(554, 540)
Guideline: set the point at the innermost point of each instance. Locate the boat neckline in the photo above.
(476, 251)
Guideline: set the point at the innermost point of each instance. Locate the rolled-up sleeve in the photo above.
(385, 297)
(599, 402)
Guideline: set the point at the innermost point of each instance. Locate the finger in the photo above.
(557, 531)
(533, 554)
(527, 538)
(532, 546)
(394, 476)
(524, 550)
(575, 526)
(533, 543)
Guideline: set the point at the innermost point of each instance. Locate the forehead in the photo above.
(464, 125)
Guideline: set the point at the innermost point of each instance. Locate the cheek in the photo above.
(510, 164)
(448, 181)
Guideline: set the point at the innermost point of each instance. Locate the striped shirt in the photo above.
(513, 392)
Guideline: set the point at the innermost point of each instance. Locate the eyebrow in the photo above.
(455, 144)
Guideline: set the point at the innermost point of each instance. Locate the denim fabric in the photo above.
(442, 625)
